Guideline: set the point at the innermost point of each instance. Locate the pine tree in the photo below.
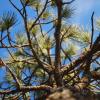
(47, 53)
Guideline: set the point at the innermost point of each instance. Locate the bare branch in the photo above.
(11, 72)
(92, 24)
(27, 89)
(68, 2)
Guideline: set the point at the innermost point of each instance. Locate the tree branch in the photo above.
(92, 24)
(27, 89)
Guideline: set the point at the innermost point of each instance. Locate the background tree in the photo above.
(48, 53)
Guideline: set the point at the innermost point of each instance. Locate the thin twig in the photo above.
(11, 72)
(92, 23)
(68, 2)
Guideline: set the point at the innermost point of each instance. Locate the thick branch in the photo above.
(95, 48)
(27, 89)
(57, 34)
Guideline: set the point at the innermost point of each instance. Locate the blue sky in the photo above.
(82, 15)
(84, 9)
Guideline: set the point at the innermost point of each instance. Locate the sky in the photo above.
(82, 15)
(84, 9)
